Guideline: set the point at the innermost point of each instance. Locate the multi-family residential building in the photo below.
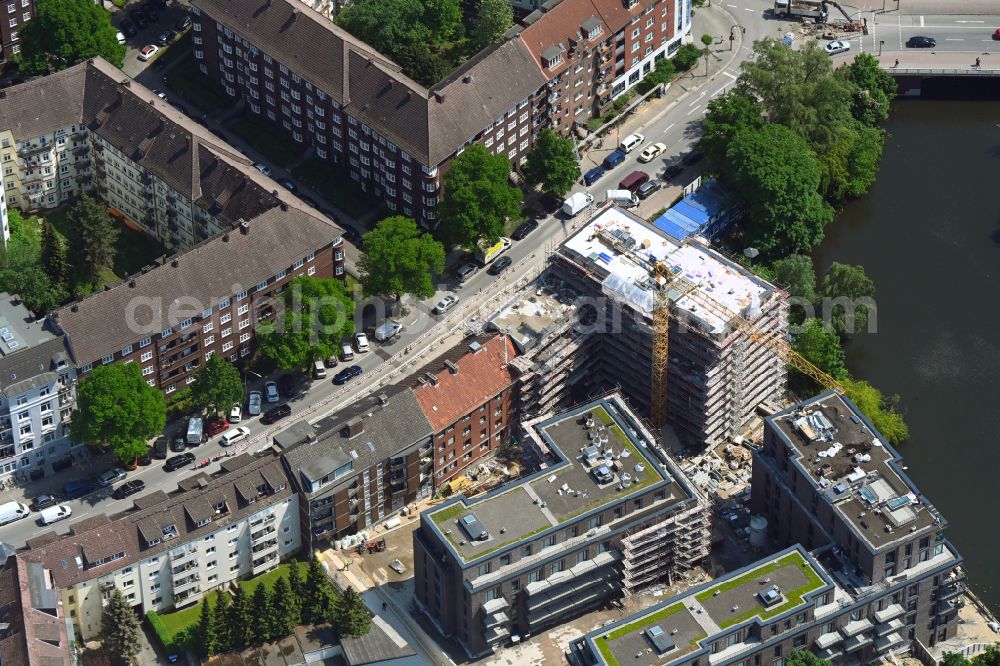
(357, 467)
(33, 629)
(37, 393)
(14, 14)
(467, 397)
(168, 550)
(561, 65)
(826, 478)
(608, 513)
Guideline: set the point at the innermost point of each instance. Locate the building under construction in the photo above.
(588, 326)
(607, 513)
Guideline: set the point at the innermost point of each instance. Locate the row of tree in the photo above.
(269, 614)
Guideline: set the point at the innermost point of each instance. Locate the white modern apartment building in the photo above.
(37, 393)
(169, 550)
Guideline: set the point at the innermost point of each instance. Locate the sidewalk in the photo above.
(87, 463)
(927, 60)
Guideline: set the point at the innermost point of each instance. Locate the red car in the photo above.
(996, 34)
(215, 426)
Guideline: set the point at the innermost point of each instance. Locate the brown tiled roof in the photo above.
(481, 375)
(372, 88)
(132, 531)
(31, 109)
(36, 635)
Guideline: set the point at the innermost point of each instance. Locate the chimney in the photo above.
(432, 378)
(174, 262)
(284, 207)
(467, 78)
(74, 308)
(452, 368)
(439, 96)
(355, 427)
(225, 238)
(244, 226)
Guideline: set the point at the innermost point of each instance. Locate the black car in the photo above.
(522, 231)
(499, 266)
(78, 488)
(647, 188)
(178, 443)
(672, 171)
(166, 37)
(138, 17)
(43, 502)
(147, 457)
(692, 158)
(129, 488)
(920, 42)
(550, 203)
(309, 201)
(183, 24)
(289, 385)
(160, 448)
(275, 414)
(175, 463)
(347, 374)
(287, 184)
(128, 28)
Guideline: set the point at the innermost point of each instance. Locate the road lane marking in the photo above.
(733, 6)
(692, 110)
(667, 128)
(953, 39)
(749, 9)
(970, 21)
(921, 21)
(732, 76)
(697, 100)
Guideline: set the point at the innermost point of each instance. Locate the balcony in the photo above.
(950, 591)
(829, 640)
(856, 642)
(263, 520)
(944, 607)
(887, 642)
(265, 547)
(180, 570)
(262, 533)
(889, 613)
(888, 627)
(181, 585)
(187, 597)
(183, 555)
(263, 564)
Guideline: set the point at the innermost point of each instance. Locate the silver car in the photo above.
(445, 304)
(111, 476)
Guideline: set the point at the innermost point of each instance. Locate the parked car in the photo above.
(646, 189)
(672, 171)
(613, 159)
(138, 18)
(649, 153)
(43, 502)
(385, 332)
(837, 46)
(254, 403)
(179, 443)
(55, 513)
(236, 413)
(287, 184)
(276, 414)
(175, 463)
(271, 392)
(147, 457)
(215, 426)
(235, 435)
(921, 42)
(289, 385)
(445, 304)
(522, 231)
(309, 201)
(593, 175)
(78, 488)
(361, 343)
(111, 476)
(120, 36)
(183, 24)
(263, 168)
(631, 142)
(500, 265)
(11, 511)
(128, 28)
(692, 158)
(165, 38)
(331, 361)
(148, 51)
(129, 488)
(466, 271)
(347, 374)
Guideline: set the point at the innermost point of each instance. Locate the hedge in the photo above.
(160, 629)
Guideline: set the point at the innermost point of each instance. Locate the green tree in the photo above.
(351, 616)
(390, 25)
(804, 658)
(66, 32)
(287, 613)
(422, 63)
(775, 173)
(443, 18)
(21, 269)
(478, 200)
(726, 115)
(53, 256)
(295, 585)
(796, 273)
(220, 621)
(875, 89)
(241, 622)
(879, 410)
(208, 642)
(99, 231)
(399, 259)
(217, 385)
(954, 659)
(318, 315)
(317, 595)
(120, 628)
(263, 615)
(706, 41)
(117, 410)
(847, 298)
(686, 57)
(821, 348)
(493, 19)
(552, 163)
(664, 72)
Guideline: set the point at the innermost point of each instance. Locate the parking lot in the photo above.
(143, 23)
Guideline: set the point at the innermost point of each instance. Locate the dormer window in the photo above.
(203, 522)
(591, 28)
(221, 507)
(552, 57)
(629, 4)
(169, 531)
(153, 542)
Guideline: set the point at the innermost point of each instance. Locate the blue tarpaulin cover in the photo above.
(695, 213)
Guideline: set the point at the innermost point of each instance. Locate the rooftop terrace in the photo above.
(855, 470)
(627, 276)
(766, 589)
(602, 460)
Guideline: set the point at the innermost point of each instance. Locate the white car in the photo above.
(837, 46)
(148, 52)
(254, 403)
(271, 391)
(445, 304)
(361, 342)
(230, 437)
(236, 413)
(263, 168)
(649, 153)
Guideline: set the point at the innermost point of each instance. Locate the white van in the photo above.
(230, 437)
(11, 511)
(55, 513)
(319, 370)
(631, 142)
(348, 352)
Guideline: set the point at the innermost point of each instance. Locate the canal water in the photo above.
(928, 234)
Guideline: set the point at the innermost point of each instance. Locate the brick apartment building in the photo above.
(468, 402)
(561, 65)
(13, 16)
(32, 625)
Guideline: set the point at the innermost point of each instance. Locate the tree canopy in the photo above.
(217, 385)
(66, 32)
(22, 270)
(552, 163)
(821, 348)
(875, 89)
(318, 315)
(774, 171)
(804, 658)
(352, 617)
(120, 628)
(726, 115)
(117, 410)
(493, 19)
(879, 409)
(99, 231)
(478, 200)
(399, 259)
(847, 294)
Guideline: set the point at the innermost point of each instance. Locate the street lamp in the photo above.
(732, 34)
(751, 254)
(881, 43)
(245, 384)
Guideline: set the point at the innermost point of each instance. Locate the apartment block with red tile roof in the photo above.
(468, 402)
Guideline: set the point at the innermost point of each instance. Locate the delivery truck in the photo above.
(576, 202)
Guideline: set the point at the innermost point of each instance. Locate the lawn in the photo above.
(269, 578)
(178, 621)
(268, 139)
(196, 88)
(655, 618)
(335, 186)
